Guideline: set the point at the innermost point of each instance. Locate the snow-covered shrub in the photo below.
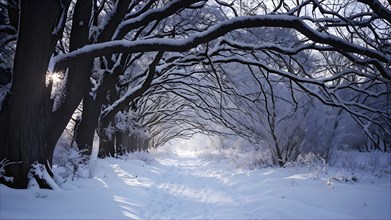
(312, 161)
(360, 166)
(160, 152)
(253, 159)
(343, 177)
(212, 150)
(239, 151)
(144, 156)
(70, 163)
(362, 161)
(244, 154)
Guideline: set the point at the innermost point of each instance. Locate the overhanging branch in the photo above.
(286, 21)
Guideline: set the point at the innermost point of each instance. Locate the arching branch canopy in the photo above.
(380, 60)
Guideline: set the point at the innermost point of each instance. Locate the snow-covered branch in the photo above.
(137, 91)
(380, 59)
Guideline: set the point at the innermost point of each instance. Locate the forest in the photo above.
(272, 81)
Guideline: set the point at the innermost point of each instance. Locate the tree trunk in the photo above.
(121, 142)
(106, 146)
(78, 73)
(106, 142)
(24, 132)
(84, 136)
(92, 106)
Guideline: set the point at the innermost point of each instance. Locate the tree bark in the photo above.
(92, 105)
(78, 73)
(24, 129)
(91, 110)
(106, 146)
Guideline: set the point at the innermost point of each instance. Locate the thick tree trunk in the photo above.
(121, 141)
(106, 142)
(78, 74)
(91, 111)
(106, 147)
(24, 131)
(92, 105)
(84, 135)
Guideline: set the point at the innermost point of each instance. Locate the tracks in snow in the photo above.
(185, 189)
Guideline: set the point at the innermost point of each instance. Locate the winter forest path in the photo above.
(180, 184)
(185, 185)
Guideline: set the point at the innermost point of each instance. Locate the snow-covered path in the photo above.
(181, 185)
(192, 188)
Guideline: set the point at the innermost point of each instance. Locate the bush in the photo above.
(70, 163)
(138, 155)
(362, 161)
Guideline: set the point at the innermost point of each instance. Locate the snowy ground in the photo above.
(183, 185)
